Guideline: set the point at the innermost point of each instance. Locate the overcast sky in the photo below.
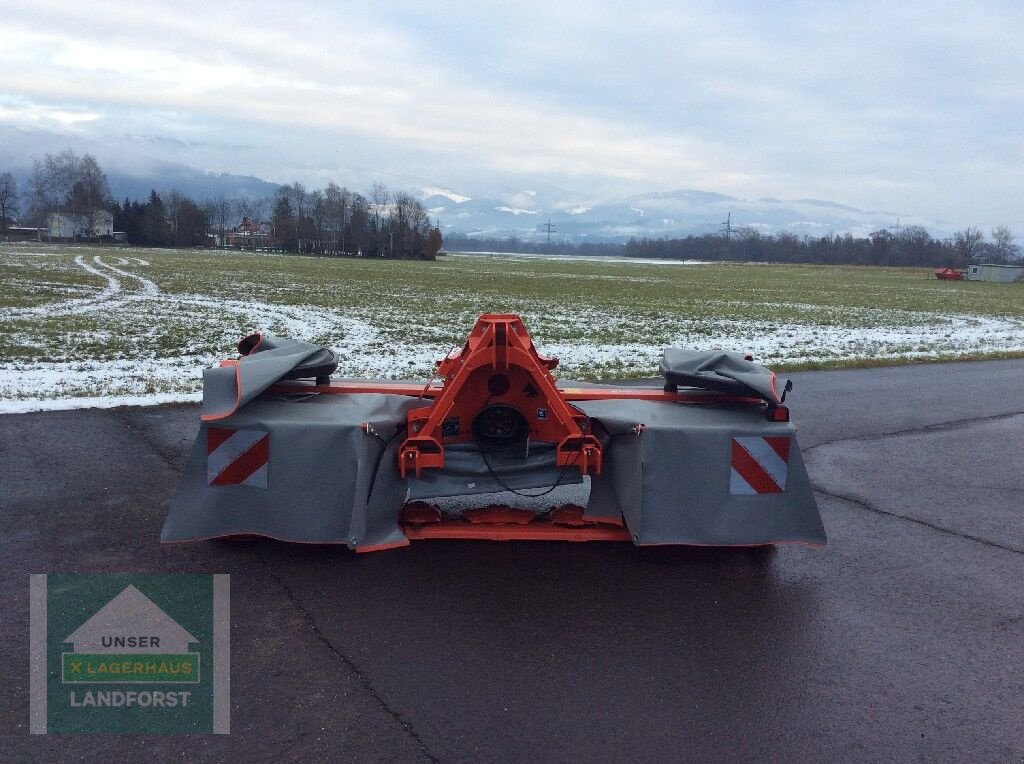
(911, 107)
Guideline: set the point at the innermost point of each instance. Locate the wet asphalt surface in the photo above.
(903, 640)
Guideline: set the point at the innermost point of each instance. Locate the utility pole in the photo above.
(550, 229)
(726, 227)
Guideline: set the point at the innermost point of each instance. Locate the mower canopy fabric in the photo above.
(266, 359)
(327, 479)
(670, 474)
(725, 372)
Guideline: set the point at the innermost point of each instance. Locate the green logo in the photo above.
(129, 653)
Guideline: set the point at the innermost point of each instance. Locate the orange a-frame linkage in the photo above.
(498, 366)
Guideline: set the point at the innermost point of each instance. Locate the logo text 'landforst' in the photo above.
(125, 653)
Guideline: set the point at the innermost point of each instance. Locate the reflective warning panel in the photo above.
(237, 457)
(759, 464)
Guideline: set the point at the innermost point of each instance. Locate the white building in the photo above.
(65, 225)
(990, 272)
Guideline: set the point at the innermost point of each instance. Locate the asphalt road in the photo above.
(903, 640)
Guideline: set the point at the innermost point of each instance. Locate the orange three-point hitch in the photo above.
(498, 389)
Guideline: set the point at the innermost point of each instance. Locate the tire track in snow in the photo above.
(149, 288)
(107, 296)
(131, 261)
(297, 321)
(300, 322)
(75, 305)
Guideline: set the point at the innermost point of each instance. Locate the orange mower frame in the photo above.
(500, 367)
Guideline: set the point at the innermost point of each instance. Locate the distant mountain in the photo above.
(688, 196)
(654, 214)
(133, 165)
(189, 181)
(136, 164)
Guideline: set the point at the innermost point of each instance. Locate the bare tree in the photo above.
(68, 183)
(175, 202)
(8, 200)
(1003, 244)
(243, 208)
(62, 170)
(339, 205)
(359, 216)
(62, 174)
(968, 245)
(335, 204)
(379, 197)
(257, 211)
(318, 215)
(41, 194)
(91, 187)
(244, 212)
(220, 210)
(299, 200)
(408, 217)
(251, 210)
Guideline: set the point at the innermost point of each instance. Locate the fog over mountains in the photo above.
(653, 214)
(134, 165)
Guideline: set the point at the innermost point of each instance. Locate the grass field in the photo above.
(80, 323)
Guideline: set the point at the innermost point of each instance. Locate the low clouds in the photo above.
(879, 106)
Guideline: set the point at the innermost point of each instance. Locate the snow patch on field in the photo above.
(107, 402)
(116, 358)
(581, 258)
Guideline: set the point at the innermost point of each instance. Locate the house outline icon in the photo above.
(130, 614)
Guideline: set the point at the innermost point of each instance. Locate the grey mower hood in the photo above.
(730, 373)
(265, 360)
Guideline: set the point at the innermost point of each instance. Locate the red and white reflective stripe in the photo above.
(759, 464)
(237, 457)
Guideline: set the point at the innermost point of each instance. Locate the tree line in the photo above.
(337, 221)
(904, 246)
(332, 221)
(460, 242)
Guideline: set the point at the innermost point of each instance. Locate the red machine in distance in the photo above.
(498, 392)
